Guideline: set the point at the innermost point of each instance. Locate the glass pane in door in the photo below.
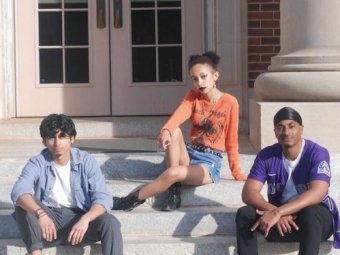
(170, 64)
(64, 42)
(50, 28)
(49, 4)
(142, 3)
(75, 4)
(169, 3)
(144, 64)
(156, 41)
(169, 26)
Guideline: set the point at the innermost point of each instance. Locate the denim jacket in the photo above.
(87, 182)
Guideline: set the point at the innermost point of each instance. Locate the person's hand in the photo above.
(164, 139)
(268, 219)
(285, 224)
(78, 231)
(47, 228)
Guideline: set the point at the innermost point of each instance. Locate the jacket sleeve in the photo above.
(97, 187)
(27, 179)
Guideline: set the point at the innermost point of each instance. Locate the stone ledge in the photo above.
(321, 121)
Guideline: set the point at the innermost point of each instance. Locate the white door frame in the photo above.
(7, 62)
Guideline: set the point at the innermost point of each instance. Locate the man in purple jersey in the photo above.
(298, 208)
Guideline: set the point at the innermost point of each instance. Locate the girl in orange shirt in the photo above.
(214, 128)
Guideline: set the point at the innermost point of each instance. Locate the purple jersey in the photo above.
(313, 165)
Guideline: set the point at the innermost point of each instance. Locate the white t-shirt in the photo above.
(290, 193)
(61, 194)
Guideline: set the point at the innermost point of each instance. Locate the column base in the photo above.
(299, 86)
(320, 119)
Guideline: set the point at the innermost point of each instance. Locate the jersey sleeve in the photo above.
(259, 169)
(320, 168)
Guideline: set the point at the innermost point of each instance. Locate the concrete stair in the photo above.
(126, 150)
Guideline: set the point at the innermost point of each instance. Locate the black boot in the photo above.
(173, 201)
(127, 203)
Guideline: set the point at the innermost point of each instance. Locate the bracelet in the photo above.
(41, 214)
(36, 211)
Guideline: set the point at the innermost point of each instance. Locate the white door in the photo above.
(151, 48)
(104, 57)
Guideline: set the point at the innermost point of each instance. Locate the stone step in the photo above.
(121, 165)
(215, 245)
(131, 126)
(226, 192)
(148, 222)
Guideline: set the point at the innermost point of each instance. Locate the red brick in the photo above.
(258, 66)
(260, 49)
(253, 75)
(253, 24)
(260, 15)
(251, 84)
(260, 32)
(277, 49)
(254, 41)
(277, 32)
(254, 58)
(270, 40)
(270, 7)
(267, 57)
(270, 23)
(260, 1)
(277, 15)
(253, 7)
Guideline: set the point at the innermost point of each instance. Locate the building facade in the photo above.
(127, 57)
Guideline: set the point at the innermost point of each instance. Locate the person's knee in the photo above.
(171, 175)
(311, 214)
(245, 213)
(110, 221)
(176, 135)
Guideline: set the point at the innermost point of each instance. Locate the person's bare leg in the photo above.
(176, 154)
(191, 175)
(37, 252)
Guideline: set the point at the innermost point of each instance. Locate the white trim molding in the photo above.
(7, 50)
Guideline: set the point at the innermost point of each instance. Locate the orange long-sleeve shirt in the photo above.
(214, 125)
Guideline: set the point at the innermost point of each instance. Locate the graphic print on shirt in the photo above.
(324, 168)
(207, 129)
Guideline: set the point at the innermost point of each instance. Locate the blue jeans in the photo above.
(210, 161)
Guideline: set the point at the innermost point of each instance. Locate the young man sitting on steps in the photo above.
(299, 208)
(61, 197)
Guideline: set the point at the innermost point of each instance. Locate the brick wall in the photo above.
(263, 36)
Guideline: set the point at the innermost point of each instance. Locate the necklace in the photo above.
(206, 120)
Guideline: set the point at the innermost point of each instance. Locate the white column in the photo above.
(7, 65)
(307, 67)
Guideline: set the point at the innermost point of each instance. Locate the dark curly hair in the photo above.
(210, 57)
(54, 123)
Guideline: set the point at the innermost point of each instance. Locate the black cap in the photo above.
(287, 113)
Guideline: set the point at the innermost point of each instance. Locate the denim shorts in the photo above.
(210, 161)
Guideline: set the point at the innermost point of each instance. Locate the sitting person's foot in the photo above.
(240, 176)
(173, 200)
(127, 203)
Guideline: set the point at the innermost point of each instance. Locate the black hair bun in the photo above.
(213, 56)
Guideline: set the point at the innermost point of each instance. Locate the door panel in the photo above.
(62, 58)
(151, 50)
(128, 57)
